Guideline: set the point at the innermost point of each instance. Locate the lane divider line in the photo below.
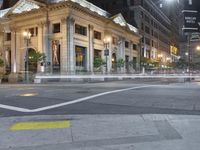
(40, 125)
(24, 110)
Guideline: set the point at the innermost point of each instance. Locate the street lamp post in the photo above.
(189, 56)
(106, 51)
(27, 36)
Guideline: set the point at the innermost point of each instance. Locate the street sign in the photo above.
(190, 21)
(106, 52)
(195, 37)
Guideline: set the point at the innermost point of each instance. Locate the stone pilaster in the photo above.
(70, 46)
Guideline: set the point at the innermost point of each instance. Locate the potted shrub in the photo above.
(39, 58)
(120, 64)
(98, 62)
(132, 65)
(1, 66)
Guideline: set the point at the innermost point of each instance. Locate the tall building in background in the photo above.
(191, 36)
(8, 3)
(173, 9)
(154, 25)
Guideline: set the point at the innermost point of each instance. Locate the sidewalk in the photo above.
(105, 132)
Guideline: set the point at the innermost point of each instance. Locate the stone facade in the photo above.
(70, 34)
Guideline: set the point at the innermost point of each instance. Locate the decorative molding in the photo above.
(70, 20)
(63, 20)
(91, 27)
(23, 6)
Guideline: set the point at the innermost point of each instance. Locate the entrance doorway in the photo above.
(127, 63)
(114, 62)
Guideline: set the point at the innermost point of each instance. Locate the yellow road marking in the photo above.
(40, 125)
(29, 94)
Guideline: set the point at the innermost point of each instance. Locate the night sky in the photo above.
(196, 3)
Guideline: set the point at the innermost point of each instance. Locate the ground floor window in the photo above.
(81, 57)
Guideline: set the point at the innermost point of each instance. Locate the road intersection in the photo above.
(100, 116)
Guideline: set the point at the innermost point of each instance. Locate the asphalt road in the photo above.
(122, 97)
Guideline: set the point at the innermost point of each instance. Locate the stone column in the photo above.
(13, 51)
(110, 57)
(47, 47)
(122, 48)
(121, 51)
(40, 45)
(70, 46)
(40, 38)
(63, 52)
(15, 56)
(131, 51)
(91, 49)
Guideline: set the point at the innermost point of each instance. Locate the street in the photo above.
(116, 115)
(132, 98)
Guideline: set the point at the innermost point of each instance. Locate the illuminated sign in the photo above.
(173, 50)
(190, 21)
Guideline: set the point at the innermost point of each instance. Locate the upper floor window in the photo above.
(142, 26)
(147, 41)
(132, 2)
(142, 14)
(126, 44)
(147, 30)
(32, 31)
(146, 18)
(8, 36)
(114, 40)
(80, 30)
(56, 28)
(97, 35)
(125, 3)
(134, 47)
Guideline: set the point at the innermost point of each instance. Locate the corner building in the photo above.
(71, 33)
